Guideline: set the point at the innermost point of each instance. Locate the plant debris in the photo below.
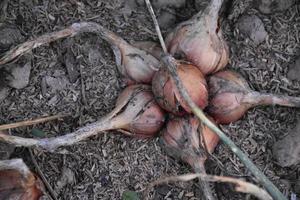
(272, 6)
(294, 70)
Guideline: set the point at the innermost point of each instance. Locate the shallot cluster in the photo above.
(151, 94)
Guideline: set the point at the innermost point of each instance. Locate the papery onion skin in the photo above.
(227, 90)
(200, 41)
(181, 139)
(188, 147)
(167, 95)
(136, 65)
(230, 97)
(14, 186)
(142, 115)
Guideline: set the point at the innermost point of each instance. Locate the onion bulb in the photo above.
(200, 41)
(230, 96)
(18, 182)
(186, 139)
(167, 95)
(136, 65)
(136, 114)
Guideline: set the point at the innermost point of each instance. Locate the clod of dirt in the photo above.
(294, 70)
(6, 150)
(287, 150)
(271, 6)
(10, 35)
(56, 83)
(67, 178)
(19, 75)
(166, 19)
(251, 26)
(4, 92)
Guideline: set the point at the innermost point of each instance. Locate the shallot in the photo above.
(200, 40)
(186, 138)
(18, 182)
(230, 96)
(136, 114)
(167, 94)
(135, 64)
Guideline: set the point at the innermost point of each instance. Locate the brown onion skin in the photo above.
(200, 41)
(188, 147)
(134, 64)
(167, 95)
(227, 90)
(14, 186)
(230, 97)
(183, 138)
(143, 116)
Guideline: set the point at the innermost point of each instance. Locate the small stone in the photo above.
(67, 178)
(287, 150)
(94, 56)
(251, 26)
(10, 35)
(56, 83)
(19, 76)
(294, 70)
(271, 6)
(4, 92)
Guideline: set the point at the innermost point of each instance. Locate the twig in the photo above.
(160, 37)
(240, 185)
(30, 122)
(53, 194)
(171, 64)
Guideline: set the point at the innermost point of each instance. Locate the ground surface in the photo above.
(104, 167)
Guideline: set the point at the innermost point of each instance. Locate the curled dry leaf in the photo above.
(231, 96)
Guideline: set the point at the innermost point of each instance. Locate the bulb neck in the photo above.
(198, 167)
(213, 13)
(257, 99)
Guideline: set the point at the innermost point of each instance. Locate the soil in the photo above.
(105, 166)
